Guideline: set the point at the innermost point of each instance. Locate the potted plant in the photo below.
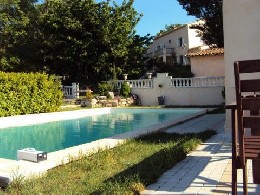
(88, 101)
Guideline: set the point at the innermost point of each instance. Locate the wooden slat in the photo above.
(252, 151)
(248, 147)
(252, 144)
(252, 155)
(249, 66)
(250, 85)
(251, 122)
(252, 137)
(251, 103)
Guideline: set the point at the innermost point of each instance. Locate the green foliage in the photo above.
(210, 11)
(84, 40)
(104, 88)
(176, 71)
(19, 36)
(135, 66)
(182, 72)
(23, 93)
(89, 95)
(126, 169)
(87, 40)
(125, 89)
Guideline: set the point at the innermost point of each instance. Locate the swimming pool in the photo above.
(58, 135)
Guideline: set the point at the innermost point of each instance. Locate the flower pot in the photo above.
(161, 100)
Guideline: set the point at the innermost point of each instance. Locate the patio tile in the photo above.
(207, 170)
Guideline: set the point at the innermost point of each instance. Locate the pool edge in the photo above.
(11, 169)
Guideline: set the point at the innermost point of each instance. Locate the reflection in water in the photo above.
(58, 135)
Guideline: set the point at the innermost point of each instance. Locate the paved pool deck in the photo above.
(207, 170)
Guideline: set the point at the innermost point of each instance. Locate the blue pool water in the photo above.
(58, 135)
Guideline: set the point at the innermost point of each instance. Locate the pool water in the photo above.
(63, 134)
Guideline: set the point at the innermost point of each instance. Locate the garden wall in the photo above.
(197, 91)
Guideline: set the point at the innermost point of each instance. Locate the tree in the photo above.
(136, 64)
(88, 40)
(210, 13)
(18, 32)
(118, 24)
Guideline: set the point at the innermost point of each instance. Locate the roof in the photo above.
(205, 52)
(169, 31)
(174, 29)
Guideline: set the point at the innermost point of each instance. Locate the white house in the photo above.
(173, 45)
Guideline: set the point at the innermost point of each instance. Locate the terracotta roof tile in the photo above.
(204, 52)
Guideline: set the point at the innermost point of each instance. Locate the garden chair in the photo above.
(245, 118)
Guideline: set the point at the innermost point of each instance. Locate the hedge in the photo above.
(28, 93)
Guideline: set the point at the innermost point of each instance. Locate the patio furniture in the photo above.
(246, 121)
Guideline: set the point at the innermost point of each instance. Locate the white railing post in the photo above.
(75, 90)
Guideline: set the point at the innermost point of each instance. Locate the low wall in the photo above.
(197, 91)
(181, 96)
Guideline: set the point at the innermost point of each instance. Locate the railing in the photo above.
(71, 92)
(169, 50)
(198, 82)
(160, 52)
(142, 83)
(67, 91)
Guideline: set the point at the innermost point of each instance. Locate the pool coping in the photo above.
(11, 169)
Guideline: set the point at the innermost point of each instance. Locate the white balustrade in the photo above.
(142, 83)
(198, 82)
(71, 92)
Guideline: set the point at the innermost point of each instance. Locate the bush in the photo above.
(89, 95)
(125, 90)
(27, 93)
(104, 88)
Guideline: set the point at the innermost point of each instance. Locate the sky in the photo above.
(157, 14)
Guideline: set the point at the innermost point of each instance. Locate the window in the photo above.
(180, 42)
(158, 47)
(170, 41)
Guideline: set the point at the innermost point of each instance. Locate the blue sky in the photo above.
(158, 13)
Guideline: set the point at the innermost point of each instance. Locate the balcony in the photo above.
(160, 52)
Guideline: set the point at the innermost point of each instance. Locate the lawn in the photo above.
(126, 169)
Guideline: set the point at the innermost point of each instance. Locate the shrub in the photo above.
(104, 88)
(89, 95)
(27, 93)
(125, 89)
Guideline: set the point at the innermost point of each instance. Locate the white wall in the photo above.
(242, 40)
(210, 65)
(181, 96)
(194, 40)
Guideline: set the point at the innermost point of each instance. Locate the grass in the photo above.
(126, 169)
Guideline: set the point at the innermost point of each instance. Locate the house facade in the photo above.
(207, 62)
(172, 46)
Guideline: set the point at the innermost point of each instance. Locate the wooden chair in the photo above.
(245, 118)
